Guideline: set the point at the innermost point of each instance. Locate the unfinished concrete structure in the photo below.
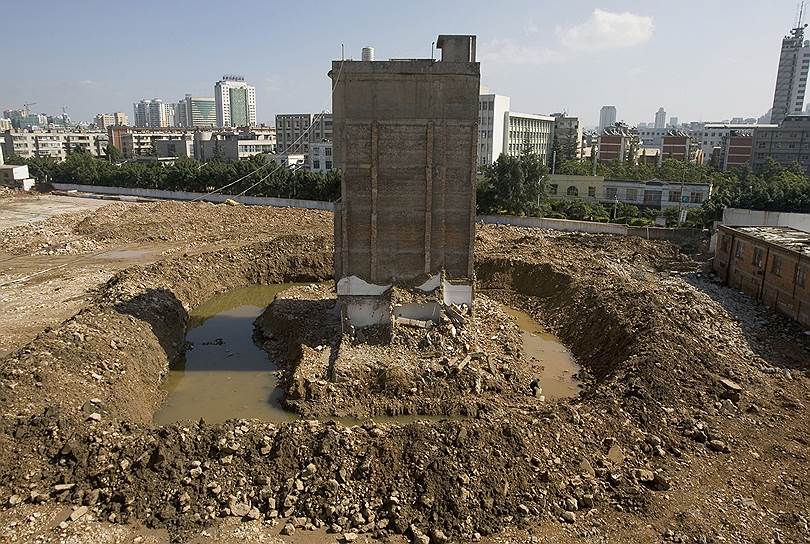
(405, 137)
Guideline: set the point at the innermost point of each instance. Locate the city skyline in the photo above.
(547, 62)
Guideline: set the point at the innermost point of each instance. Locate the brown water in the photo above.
(554, 362)
(225, 375)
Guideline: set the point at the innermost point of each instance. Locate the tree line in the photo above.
(187, 174)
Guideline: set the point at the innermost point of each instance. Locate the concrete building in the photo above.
(105, 120)
(567, 137)
(235, 102)
(231, 146)
(736, 150)
(660, 118)
(295, 132)
(406, 139)
(770, 264)
(607, 117)
(135, 142)
(787, 143)
(528, 132)
(196, 112)
(617, 143)
(652, 137)
(673, 122)
(654, 193)
(678, 145)
(181, 147)
(492, 110)
(5, 124)
(320, 157)
(16, 177)
(153, 113)
(54, 143)
(791, 75)
(711, 135)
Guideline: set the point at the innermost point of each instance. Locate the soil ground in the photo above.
(692, 426)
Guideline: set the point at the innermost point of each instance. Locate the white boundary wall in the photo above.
(737, 217)
(183, 195)
(554, 224)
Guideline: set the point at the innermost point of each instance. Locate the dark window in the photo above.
(552, 189)
(759, 253)
(572, 191)
(800, 276)
(738, 251)
(776, 265)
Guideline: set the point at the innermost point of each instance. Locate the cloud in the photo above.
(511, 52)
(602, 30)
(606, 30)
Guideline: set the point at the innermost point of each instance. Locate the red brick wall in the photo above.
(776, 286)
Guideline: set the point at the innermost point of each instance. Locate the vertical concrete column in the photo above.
(443, 177)
(428, 194)
(473, 172)
(344, 213)
(375, 136)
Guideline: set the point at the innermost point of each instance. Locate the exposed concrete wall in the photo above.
(405, 136)
(184, 195)
(737, 217)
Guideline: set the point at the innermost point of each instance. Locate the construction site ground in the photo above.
(691, 425)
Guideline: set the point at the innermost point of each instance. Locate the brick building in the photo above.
(771, 264)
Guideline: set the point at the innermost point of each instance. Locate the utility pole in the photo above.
(680, 197)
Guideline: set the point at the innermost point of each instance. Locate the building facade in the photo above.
(770, 264)
(56, 144)
(655, 193)
(711, 135)
(196, 111)
(607, 117)
(320, 157)
(736, 150)
(295, 132)
(526, 132)
(406, 139)
(617, 144)
(492, 109)
(235, 102)
(787, 143)
(154, 113)
(105, 120)
(567, 137)
(791, 76)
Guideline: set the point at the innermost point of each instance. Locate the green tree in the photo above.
(113, 153)
(513, 185)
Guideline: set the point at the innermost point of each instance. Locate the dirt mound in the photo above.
(696, 401)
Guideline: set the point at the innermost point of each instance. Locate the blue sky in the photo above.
(700, 60)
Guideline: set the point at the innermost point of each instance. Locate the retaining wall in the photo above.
(184, 195)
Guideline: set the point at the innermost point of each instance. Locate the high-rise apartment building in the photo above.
(607, 117)
(196, 111)
(154, 113)
(235, 102)
(791, 75)
(660, 118)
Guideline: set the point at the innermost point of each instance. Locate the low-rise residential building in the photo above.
(137, 142)
(182, 147)
(735, 150)
(787, 143)
(770, 264)
(231, 146)
(617, 144)
(16, 177)
(680, 146)
(296, 131)
(54, 143)
(710, 135)
(567, 137)
(653, 193)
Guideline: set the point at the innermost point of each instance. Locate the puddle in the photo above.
(555, 364)
(225, 375)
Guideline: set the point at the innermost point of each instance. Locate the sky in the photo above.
(703, 60)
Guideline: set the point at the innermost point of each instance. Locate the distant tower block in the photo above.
(368, 54)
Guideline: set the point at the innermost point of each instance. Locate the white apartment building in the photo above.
(154, 114)
(660, 118)
(492, 109)
(235, 102)
(320, 157)
(140, 142)
(528, 132)
(54, 143)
